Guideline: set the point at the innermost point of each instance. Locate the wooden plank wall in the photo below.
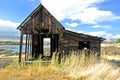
(42, 22)
(71, 40)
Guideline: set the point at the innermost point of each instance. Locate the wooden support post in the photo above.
(20, 50)
(26, 47)
(30, 45)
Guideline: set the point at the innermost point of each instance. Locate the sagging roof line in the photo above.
(84, 35)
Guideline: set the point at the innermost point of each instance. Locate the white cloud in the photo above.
(32, 0)
(98, 33)
(83, 10)
(96, 26)
(69, 29)
(8, 27)
(62, 9)
(93, 15)
(107, 27)
(80, 31)
(72, 24)
(117, 36)
(8, 23)
(104, 34)
(102, 26)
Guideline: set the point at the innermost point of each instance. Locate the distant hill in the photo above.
(13, 37)
(9, 37)
(109, 41)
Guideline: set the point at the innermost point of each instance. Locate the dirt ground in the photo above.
(5, 62)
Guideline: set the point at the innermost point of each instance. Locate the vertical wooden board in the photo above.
(32, 45)
(37, 22)
(26, 46)
(20, 52)
(43, 24)
(28, 50)
(56, 28)
(33, 24)
(35, 40)
(49, 24)
(45, 11)
(43, 20)
(52, 25)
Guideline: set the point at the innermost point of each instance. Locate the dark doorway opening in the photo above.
(44, 45)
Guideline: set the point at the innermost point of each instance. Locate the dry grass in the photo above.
(100, 71)
(111, 57)
(73, 68)
(108, 45)
(111, 49)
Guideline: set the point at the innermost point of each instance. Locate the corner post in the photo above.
(20, 50)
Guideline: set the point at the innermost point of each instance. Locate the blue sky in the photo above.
(94, 17)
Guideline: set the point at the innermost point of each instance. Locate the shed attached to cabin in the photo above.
(46, 35)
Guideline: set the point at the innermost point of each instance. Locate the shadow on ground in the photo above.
(116, 62)
(5, 62)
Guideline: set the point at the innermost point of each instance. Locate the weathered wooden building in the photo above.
(42, 29)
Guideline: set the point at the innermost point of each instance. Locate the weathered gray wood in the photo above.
(41, 24)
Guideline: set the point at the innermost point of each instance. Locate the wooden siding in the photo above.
(41, 24)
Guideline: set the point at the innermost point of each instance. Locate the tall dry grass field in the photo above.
(74, 67)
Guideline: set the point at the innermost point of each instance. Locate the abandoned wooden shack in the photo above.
(44, 35)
